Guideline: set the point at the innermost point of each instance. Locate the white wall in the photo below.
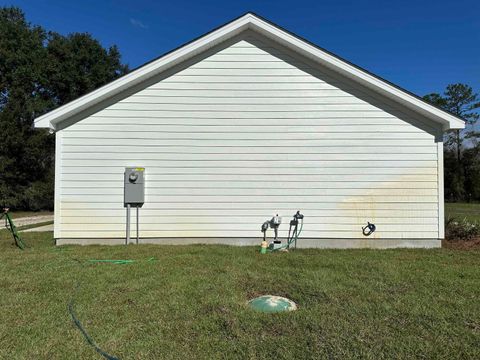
(243, 134)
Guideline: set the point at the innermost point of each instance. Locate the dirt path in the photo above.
(31, 220)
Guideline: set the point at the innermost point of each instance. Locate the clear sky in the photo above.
(420, 45)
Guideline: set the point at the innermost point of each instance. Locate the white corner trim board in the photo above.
(251, 22)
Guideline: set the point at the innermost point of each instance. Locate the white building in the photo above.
(242, 123)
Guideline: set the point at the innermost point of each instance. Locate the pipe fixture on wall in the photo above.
(369, 229)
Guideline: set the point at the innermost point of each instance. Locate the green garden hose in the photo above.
(80, 327)
(118, 262)
(290, 242)
(11, 226)
(71, 304)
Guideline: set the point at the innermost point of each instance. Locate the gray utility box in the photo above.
(134, 186)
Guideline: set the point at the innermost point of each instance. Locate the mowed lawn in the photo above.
(460, 211)
(190, 303)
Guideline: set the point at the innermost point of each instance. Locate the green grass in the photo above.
(31, 226)
(190, 302)
(463, 210)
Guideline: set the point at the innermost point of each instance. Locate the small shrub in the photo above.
(461, 229)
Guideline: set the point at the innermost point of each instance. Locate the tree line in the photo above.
(41, 70)
(461, 151)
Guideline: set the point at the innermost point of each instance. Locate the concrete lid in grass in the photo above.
(272, 304)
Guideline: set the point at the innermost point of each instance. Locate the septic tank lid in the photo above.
(272, 303)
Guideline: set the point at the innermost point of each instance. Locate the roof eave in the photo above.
(250, 21)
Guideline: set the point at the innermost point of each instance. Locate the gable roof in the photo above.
(249, 21)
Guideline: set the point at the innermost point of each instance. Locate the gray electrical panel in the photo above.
(134, 187)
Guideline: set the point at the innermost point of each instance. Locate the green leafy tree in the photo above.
(79, 64)
(23, 152)
(39, 71)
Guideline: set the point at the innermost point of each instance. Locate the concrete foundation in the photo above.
(338, 243)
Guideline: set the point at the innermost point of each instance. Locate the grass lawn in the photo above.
(463, 210)
(190, 302)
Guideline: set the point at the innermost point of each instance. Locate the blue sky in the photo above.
(420, 45)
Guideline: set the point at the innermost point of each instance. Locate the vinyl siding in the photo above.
(241, 135)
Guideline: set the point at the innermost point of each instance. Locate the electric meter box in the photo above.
(134, 186)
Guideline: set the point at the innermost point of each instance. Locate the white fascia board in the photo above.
(249, 21)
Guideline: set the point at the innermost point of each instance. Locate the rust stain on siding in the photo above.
(367, 209)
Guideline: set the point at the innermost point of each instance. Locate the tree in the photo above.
(84, 66)
(471, 166)
(460, 100)
(39, 71)
(461, 165)
(21, 87)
